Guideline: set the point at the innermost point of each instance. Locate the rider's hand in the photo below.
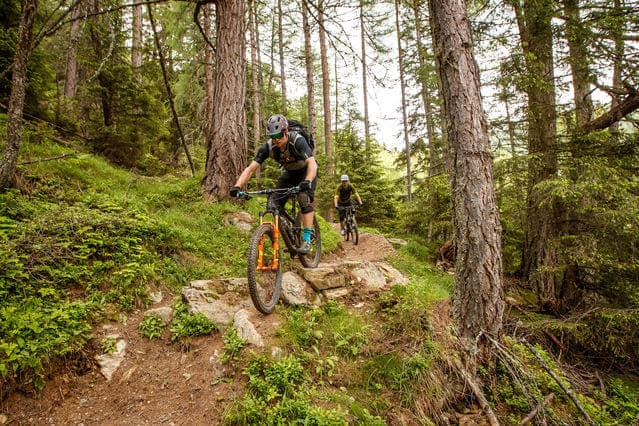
(360, 204)
(234, 191)
(305, 185)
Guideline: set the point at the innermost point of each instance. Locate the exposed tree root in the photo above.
(556, 379)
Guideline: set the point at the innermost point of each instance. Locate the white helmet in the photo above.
(344, 178)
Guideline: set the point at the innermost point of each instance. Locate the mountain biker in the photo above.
(299, 168)
(343, 198)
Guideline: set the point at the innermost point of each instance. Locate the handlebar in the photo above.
(353, 207)
(247, 195)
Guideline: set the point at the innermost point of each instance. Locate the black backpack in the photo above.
(297, 127)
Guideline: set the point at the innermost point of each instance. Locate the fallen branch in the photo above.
(483, 402)
(537, 409)
(561, 385)
(42, 160)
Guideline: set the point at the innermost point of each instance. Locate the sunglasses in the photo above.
(277, 136)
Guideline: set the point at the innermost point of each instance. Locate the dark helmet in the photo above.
(276, 124)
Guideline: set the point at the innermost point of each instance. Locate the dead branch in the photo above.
(537, 409)
(628, 105)
(559, 382)
(42, 160)
(483, 402)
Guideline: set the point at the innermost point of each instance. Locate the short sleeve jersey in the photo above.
(344, 193)
(293, 157)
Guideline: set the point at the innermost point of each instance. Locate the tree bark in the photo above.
(254, 80)
(226, 155)
(308, 56)
(326, 93)
(16, 98)
(539, 258)
(578, 63)
(617, 63)
(71, 76)
(136, 39)
(409, 185)
(478, 300)
(209, 82)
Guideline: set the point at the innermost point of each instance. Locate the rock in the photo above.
(245, 329)
(165, 313)
(370, 275)
(241, 220)
(109, 363)
(294, 289)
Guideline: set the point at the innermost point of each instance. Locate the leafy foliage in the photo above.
(278, 392)
(190, 324)
(233, 344)
(151, 326)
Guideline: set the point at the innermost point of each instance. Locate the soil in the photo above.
(159, 382)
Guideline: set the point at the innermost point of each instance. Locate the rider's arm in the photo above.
(247, 173)
(311, 169)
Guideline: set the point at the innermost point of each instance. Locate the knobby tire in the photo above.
(355, 232)
(264, 285)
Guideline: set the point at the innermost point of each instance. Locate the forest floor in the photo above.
(159, 382)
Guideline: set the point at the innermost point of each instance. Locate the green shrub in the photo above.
(152, 326)
(190, 324)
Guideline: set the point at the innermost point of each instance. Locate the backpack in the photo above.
(297, 127)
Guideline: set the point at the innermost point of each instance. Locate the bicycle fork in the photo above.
(276, 247)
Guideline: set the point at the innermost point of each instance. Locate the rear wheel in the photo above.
(264, 269)
(312, 259)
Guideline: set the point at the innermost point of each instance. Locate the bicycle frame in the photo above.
(279, 217)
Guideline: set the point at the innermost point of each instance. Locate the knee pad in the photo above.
(305, 203)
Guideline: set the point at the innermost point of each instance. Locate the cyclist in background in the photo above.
(344, 198)
(294, 154)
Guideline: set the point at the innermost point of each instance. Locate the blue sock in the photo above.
(307, 234)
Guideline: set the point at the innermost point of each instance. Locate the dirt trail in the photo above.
(159, 382)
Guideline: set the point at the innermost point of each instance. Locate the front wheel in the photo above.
(312, 259)
(354, 232)
(264, 269)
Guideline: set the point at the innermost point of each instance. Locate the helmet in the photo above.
(276, 124)
(344, 178)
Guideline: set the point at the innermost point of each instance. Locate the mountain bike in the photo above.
(264, 254)
(350, 224)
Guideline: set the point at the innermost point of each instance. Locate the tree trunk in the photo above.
(617, 64)
(208, 77)
(578, 63)
(478, 300)
(71, 77)
(326, 93)
(280, 37)
(16, 98)
(367, 130)
(409, 189)
(308, 55)
(539, 259)
(226, 156)
(254, 80)
(136, 39)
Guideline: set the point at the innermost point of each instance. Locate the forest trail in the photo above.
(159, 382)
